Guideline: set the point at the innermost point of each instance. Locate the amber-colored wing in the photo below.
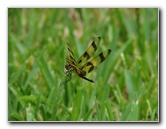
(88, 67)
(70, 58)
(88, 54)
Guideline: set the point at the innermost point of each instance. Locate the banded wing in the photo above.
(88, 67)
(70, 58)
(89, 52)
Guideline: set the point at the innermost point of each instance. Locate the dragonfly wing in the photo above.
(91, 65)
(70, 58)
(89, 52)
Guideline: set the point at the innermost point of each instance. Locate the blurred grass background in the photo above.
(126, 84)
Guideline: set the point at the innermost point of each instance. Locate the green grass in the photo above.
(126, 84)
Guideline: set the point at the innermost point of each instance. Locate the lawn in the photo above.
(126, 84)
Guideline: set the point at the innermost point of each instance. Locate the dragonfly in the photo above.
(86, 63)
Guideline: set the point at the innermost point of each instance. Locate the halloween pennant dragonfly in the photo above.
(86, 63)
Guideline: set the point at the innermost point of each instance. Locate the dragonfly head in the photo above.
(68, 68)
